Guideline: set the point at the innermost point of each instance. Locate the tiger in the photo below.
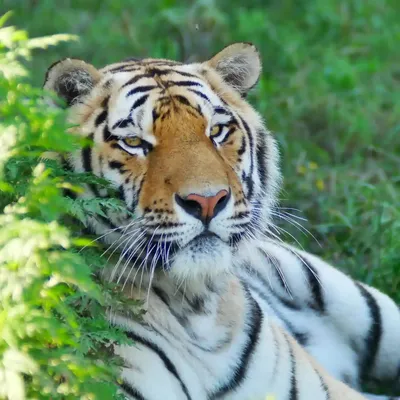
(231, 311)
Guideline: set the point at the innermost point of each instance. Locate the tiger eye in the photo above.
(133, 141)
(215, 130)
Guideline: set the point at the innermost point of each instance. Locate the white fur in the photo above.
(332, 335)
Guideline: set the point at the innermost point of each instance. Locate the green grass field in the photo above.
(329, 91)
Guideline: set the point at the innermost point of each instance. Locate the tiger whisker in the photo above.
(109, 231)
(153, 265)
(133, 266)
(289, 234)
(310, 269)
(282, 210)
(281, 274)
(130, 234)
(290, 219)
(130, 246)
(139, 242)
(277, 267)
(148, 252)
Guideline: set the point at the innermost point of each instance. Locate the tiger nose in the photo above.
(204, 208)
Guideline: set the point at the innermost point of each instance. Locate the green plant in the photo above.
(54, 335)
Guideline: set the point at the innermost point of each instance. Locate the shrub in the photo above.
(54, 334)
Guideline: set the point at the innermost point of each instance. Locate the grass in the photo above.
(328, 91)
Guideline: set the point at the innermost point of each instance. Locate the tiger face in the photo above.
(187, 154)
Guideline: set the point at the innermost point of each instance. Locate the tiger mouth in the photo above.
(204, 236)
(160, 253)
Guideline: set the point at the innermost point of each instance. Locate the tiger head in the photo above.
(187, 154)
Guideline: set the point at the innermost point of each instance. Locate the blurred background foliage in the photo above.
(329, 92)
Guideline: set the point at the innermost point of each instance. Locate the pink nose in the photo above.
(204, 207)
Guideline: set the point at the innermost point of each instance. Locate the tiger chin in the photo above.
(231, 313)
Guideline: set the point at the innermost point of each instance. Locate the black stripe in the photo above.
(314, 283)
(125, 68)
(261, 157)
(131, 69)
(160, 72)
(187, 74)
(135, 198)
(294, 392)
(324, 386)
(372, 341)
(160, 237)
(135, 79)
(87, 156)
(222, 111)
(240, 215)
(132, 391)
(182, 83)
(87, 165)
(183, 100)
(155, 115)
(198, 109)
(139, 102)
(105, 101)
(301, 337)
(116, 165)
(121, 193)
(107, 135)
(239, 373)
(167, 362)
(202, 95)
(277, 352)
(242, 147)
(122, 123)
(228, 134)
(162, 295)
(140, 89)
(181, 319)
(249, 179)
(196, 304)
(101, 118)
(276, 269)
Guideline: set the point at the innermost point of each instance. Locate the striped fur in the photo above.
(230, 313)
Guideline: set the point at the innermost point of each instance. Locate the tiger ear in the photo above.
(239, 65)
(71, 79)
